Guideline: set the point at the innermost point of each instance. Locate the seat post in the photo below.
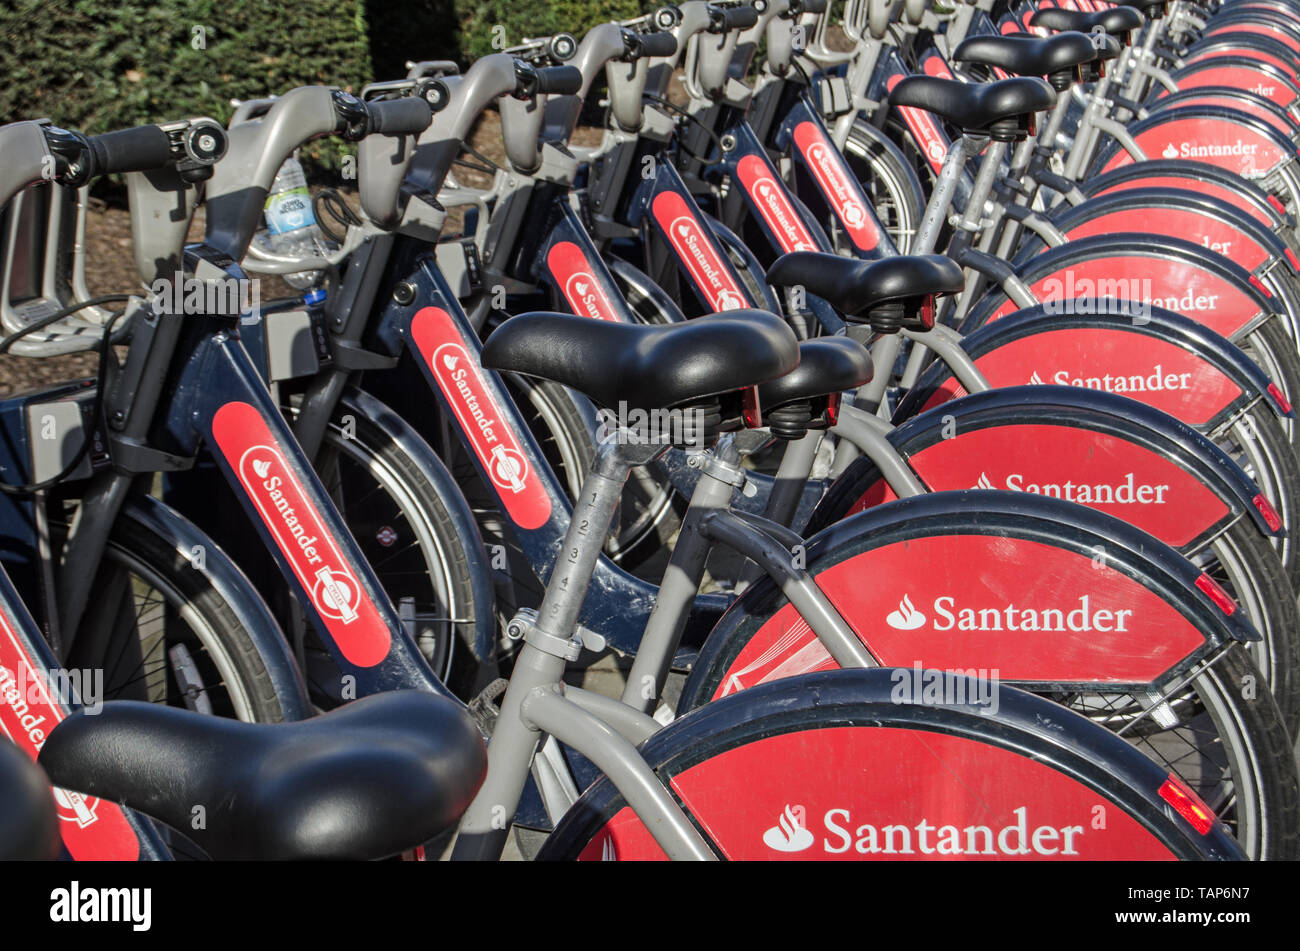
(549, 642)
(592, 514)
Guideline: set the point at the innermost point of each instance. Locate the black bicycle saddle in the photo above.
(1001, 109)
(28, 825)
(646, 367)
(369, 780)
(1116, 21)
(884, 293)
(803, 398)
(1057, 57)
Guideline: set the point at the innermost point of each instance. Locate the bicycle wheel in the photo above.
(161, 633)
(1238, 558)
(1275, 353)
(842, 765)
(1221, 733)
(419, 552)
(889, 181)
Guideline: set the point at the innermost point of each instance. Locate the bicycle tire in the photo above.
(230, 652)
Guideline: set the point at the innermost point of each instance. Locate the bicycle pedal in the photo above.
(484, 708)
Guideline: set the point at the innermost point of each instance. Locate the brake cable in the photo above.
(101, 379)
(491, 166)
(717, 141)
(331, 200)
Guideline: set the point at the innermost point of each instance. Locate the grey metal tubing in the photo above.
(794, 470)
(27, 158)
(617, 758)
(946, 344)
(484, 826)
(867, 433)
(936, 210)
(1119, 132)
(633, 725)
(781, 534)
(1055, 119)
(677, 590)
(486, 823)
(796, 584)
(985, 179)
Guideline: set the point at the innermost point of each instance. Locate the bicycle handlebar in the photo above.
(655, 44)
(554, 81)
(726, 19)
(409, 115)
(140, 149)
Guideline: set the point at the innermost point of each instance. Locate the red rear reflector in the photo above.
(1259, 286)
(833, 408)
(1272, 200)
(1290, 256)
(1271, 518)
(752, 412)
(1215, 592)
(1279, 398)
(1187, 804)
(927, 311)
(1032, 124)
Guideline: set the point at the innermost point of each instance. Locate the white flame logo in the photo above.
(1170, 151)
(906, 618)
(729, 301)
(450, 360)
(790, 835)
(1036, 380)
(261, 467)
(982, 482)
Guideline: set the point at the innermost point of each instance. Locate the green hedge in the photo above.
(523, 18)
(96, 65)
(103, 65)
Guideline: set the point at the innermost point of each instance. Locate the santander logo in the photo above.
(1128, 491)
(507, 466)
(282, 504)
(770, 198)
(697, 252)
(92, 829)
(949, 616)
(790, 834)
(281, 500)
(585, 297)
(481, 419)
(906, 617)
(841, 193)
(580, 286)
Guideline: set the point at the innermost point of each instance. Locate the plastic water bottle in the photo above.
(291, 228)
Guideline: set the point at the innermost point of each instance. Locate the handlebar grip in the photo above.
(739, 18)
(559, 80)
(657, 44)
(141, 149)
(409, 115)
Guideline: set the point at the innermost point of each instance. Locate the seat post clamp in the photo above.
(524, 626)
(713, 467)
